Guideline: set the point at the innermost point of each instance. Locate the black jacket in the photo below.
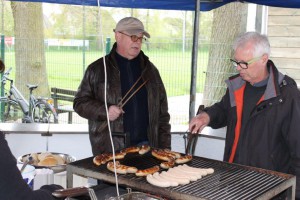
(12, 185)
(89, 103)
(271, 139)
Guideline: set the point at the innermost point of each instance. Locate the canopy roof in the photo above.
(205, 5)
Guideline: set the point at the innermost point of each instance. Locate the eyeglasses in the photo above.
(134, 38)
(243, 64)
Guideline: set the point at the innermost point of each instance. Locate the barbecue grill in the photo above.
(229, 181)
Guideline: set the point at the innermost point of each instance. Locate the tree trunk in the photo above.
(29, 48)
(228, 22)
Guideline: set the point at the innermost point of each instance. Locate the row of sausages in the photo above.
(179, 175)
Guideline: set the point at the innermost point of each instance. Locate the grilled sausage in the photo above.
(144, 149)
(145, 172)
(176, 154)
(161, 155)
(121, 169)
(131, 150)
(184, 159)
(167, 165)
(105, 157)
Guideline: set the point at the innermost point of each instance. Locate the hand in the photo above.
(114, 112)
(198, 123)
(51, 188)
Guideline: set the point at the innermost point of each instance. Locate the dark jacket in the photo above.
(271, 138)
(89, 103)
(12, 185)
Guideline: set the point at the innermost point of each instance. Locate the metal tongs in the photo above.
(191, 145)
(125, 99)
(193, 138)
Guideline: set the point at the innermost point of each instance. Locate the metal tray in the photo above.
(57, 168)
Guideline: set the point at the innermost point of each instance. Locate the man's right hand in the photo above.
(114, 112)
(198, 123)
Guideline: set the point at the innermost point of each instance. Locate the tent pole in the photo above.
(194, 62)
(83, 30)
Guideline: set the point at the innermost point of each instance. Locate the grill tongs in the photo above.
(75, 192)
(193, 138)
(191, 145)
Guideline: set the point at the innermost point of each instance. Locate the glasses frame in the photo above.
(241, 63)
(134, 38)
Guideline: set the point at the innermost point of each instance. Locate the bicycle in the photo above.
(36, 110)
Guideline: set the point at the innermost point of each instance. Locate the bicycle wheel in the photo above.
(44, 112)
(10, 111)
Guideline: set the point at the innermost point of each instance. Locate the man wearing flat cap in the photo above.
(135, 95)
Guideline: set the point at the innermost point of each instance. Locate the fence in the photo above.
(66, 65)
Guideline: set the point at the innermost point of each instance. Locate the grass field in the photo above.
(65, 68)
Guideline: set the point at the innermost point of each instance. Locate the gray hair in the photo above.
(260, 42)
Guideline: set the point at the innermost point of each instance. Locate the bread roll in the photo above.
(43, 155)
(59, 159)
(48, 161)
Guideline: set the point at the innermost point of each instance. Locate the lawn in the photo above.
(65, 68)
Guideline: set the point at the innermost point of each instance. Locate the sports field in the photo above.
(65, 68)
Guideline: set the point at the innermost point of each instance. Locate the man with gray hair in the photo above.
(135, 94)
(261, 109)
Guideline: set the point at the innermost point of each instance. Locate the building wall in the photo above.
(284, 36)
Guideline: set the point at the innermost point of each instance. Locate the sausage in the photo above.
(144, 149)
(121, 169)
(176, 173)
(167, 165)
(145, 172)
(156, 182)
(207, 170)
(105, 157)
(176, 154)
(181, 181)
(131, 149)
(100, 159)
(161, 155)
(200, 171)
(190, 173)
(184, 159)
(161, 178)
(157, 176)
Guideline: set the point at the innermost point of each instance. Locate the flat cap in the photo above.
(132, 26)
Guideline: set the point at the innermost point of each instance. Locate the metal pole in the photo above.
(2, 55)
(83, 46)
(194, 61)
(107, 45)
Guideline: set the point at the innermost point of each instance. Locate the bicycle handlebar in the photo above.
(5, 75)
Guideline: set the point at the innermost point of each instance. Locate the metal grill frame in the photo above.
(229, 181)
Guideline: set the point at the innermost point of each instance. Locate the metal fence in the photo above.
(66, 64)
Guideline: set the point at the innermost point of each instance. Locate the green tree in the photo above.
(29, 47)
(8, 21)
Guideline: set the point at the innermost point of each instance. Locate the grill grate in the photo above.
(229, 181)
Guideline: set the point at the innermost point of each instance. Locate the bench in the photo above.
(60, 95)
